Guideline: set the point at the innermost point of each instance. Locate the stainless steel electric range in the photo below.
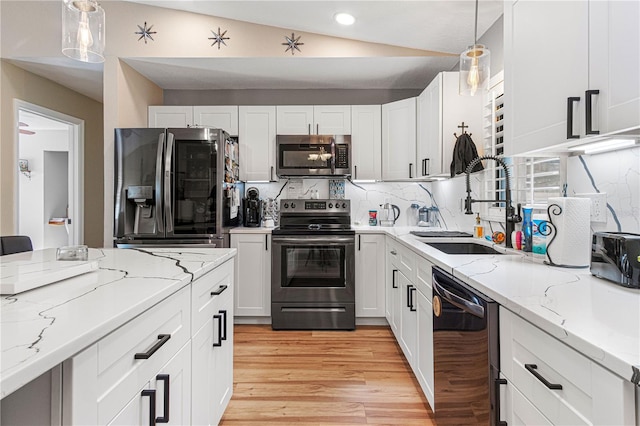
(313, 266)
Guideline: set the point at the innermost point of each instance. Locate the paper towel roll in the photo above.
(570, 241)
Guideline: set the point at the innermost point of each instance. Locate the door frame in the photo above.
(76, 164)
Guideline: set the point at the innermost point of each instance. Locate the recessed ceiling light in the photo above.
(344, 18)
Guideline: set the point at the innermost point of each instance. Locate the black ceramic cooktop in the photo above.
(441, 234)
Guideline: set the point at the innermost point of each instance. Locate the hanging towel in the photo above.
(464, 152)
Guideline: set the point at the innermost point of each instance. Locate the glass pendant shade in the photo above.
(474, 70)
(83, 30)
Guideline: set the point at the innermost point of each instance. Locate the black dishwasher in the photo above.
(465, 353)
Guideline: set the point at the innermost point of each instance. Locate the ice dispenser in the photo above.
(140, 201)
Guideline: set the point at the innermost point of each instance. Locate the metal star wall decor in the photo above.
(292, 44)
(219, 38)
(145, 33)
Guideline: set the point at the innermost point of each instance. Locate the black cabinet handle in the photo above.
(359, 241)
(355, 172)
(219, 342)
(164, 378)
(427, 163)
(410, 170)
(570, 101)
(151, 393)
(531, 368)
(162, 339)
(496, 388)
(393, 278)
(412, 307)
(224, 327)
(266, 242)
(589, 112)
(317, 128)
(219, 290)
(309, 127)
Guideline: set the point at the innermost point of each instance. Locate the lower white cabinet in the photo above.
(253, 274)
(370, 275)
(408, 320)
(552, 383)
(423, 362)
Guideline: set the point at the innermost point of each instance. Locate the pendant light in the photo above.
(83, 28)
(474, 66)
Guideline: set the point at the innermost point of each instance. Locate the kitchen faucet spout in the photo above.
(511, 218)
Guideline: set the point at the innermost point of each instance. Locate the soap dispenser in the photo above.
(478, 230)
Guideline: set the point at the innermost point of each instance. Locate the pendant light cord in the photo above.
(475, 31)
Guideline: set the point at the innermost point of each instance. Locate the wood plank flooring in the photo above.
(322, 378)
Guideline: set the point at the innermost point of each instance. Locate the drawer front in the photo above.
(423, 277)
(402, 258)
(211, 293)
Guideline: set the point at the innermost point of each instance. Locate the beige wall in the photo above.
(16, 83)
(127, 95)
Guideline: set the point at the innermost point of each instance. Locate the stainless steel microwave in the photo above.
(313, 155)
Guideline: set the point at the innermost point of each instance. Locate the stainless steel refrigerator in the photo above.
(175, 187)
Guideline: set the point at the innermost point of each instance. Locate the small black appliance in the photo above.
(252, 206)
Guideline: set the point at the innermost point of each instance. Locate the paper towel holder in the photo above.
(547, 228)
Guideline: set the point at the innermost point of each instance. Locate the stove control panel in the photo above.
(315, 206)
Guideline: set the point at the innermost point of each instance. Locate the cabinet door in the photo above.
(370, 273)
(424, 347)
(614, 64)
(257, 141)
(332, 120)
(408, 320)
(399, 140)
(392, 293)
(253, 284)
(429, 128)
(366, 141)
(294, 120)
(170, 116)
(221, 117)
(543, 70)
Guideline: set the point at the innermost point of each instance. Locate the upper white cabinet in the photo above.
(366, 141)
(257, 136)
(440, 110)
(313, 120)
(221, 117)
(370, 275)
(577, 77)
(253, 283)
(399, 140)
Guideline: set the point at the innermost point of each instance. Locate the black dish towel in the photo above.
(463, 153)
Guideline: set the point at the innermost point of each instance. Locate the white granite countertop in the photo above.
(41, 328)
(594, 316)
(250, 230)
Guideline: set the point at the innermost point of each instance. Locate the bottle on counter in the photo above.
(478, 230)
(527, 230)
(373, 217)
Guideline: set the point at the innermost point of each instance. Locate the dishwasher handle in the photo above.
(455, 300)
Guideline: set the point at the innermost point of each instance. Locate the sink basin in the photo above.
(464, 248)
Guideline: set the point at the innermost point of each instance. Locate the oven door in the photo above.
(313, 268)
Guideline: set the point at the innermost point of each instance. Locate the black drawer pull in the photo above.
(393, 278)
(589, 112)
(570, 102)
(151, 393)
(412, 307)
(164, 378)
(219, 290)
(219, 342)
(531, 368)
(496, 388)
(224, 319)
(162, 339)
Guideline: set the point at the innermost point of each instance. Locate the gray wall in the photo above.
(286, 97)
(493, 40)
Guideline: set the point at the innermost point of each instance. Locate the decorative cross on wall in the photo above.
(462, 127)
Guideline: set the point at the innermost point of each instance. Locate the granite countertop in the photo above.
(594, 316)
(250, 230)
(41, 328)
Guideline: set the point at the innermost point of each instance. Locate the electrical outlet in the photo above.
(598, 206)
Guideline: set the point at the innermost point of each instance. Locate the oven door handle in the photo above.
(313, 240)
(455, 300)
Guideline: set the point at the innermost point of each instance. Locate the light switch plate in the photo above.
(598, 206)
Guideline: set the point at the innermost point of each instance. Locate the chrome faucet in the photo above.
(511, 218)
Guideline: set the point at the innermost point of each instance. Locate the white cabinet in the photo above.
(366, 141)
(212, 343)
(408, 319)
(561, 384)
(440, 110)
(257, 142)
(423, 362)
(399, 140)
(370, 275)
(222, 117)
(253, 274)
(586, 46)
(313, 120)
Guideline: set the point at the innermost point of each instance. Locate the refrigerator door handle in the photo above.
(158, 196)
(168, 213)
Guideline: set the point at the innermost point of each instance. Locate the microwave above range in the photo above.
(313, 155)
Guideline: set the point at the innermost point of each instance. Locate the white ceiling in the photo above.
(435, 25)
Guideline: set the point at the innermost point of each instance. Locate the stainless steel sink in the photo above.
(463, 248)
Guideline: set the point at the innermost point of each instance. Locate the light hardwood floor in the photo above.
(323, 378)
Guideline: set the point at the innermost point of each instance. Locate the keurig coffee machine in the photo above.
(252, 205)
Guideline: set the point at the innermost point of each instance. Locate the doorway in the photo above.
(49, 193)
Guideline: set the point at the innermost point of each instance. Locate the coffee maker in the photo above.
(252, 207)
